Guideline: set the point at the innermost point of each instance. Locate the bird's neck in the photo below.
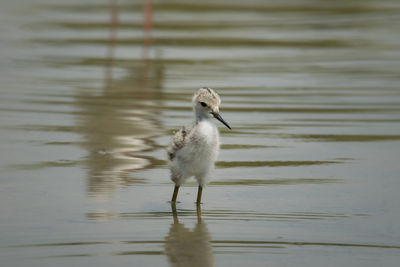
(201, 117)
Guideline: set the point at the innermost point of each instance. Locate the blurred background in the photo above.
(92, 91)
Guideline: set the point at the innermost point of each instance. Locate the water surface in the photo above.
(92, 91)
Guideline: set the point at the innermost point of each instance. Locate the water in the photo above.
(308, 176)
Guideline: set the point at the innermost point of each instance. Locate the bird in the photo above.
(193, 149)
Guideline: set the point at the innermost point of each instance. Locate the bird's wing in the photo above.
(179, 140)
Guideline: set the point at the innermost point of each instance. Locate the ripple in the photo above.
(210, 41)
(342, 137)
(252, 164)
(218, 215)
(289, 181)
(199, 7)
(215, 243)
(242, 146)
(45, 164)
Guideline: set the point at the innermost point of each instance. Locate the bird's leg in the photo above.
(198, 202)
(199, 221)
(174, 213)
(176, 189)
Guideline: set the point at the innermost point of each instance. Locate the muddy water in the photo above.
(91, 93)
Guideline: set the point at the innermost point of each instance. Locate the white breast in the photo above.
(207, 131)
(207, 143)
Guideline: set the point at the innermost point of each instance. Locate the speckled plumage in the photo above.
(194, 149)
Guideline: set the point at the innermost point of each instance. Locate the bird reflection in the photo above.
(120, 120)
(185, 247)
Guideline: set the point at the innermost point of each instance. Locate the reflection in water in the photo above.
(189, 248)
(121, 120)
(113, 38)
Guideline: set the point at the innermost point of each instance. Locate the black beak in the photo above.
(218, 117)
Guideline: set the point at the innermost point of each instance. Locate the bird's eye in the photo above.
(203, 104)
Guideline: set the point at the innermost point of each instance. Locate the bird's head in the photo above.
(206, 104)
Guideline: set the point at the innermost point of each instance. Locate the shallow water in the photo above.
(308, 176)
